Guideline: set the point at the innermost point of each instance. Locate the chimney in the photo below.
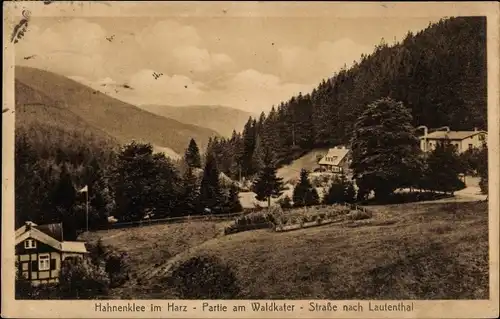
(475, 129)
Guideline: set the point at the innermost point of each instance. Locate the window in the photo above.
(44, 262)
(470, 146)
(29, 244)
(481, 137)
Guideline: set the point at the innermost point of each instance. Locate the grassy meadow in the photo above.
(405, 251)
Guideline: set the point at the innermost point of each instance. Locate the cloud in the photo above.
(71, 47)
(81, 47)
(321, 61)
(255, 91)
(167, 34)
(195, 59)
(247, 90)
(144, 82)
(179, 49)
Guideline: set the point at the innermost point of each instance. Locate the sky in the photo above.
(249, 62)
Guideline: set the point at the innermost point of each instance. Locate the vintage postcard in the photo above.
(250, 159)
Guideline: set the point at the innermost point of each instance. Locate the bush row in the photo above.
(276, 216)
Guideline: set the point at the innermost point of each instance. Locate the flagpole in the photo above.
(87, 209)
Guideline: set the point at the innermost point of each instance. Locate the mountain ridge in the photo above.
(117, 119)
(219, 118)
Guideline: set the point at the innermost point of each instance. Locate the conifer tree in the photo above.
(248, 147)
(190, 193)
(64, 198)
(233, 204)
(335, 192)
(304, 193)
(267, 185)
(192, 155)
(211, 196)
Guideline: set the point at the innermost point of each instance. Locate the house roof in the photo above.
(73, 247)
(452, 135)
(39, 236)
(53, 230)
(31, 231)
(334, 156)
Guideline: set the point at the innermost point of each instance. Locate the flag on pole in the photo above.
(84, 189)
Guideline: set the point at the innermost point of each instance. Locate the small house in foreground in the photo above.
(461, 140)
(336, 160)
(40, 251)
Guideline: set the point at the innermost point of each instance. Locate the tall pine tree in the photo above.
(211, 196)
(190, 193)
(192, 155)
(267, 185)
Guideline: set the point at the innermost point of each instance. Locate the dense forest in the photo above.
(440, 73)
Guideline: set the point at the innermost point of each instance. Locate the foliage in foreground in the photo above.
(82, 279)
(204, 277)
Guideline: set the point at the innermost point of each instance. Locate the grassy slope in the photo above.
(155, 244)
(118, 119)
(289, 173)
(409, 251)
(218, 118)
(308, 161)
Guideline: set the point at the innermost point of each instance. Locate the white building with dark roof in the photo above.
(336, 160)
(462, 140)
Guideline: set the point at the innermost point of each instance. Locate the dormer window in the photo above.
(29, 244)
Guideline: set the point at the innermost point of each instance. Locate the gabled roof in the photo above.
(22, 229)
(452, 135)
(31, 230)
(39, 236)
(73, 247)
(53, 230)
(334, 156)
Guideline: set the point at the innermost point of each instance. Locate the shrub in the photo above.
(118, 268)
(359, 214)
(116, 264)
(285, 202)
(483, 185)
(260, 219)
(23, 288)
(81, 279)
(304, 193)
(204, 277)
(320, 181)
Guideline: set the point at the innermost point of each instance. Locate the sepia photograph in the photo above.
(249, 152)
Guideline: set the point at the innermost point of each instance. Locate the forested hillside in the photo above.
(439, 73)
